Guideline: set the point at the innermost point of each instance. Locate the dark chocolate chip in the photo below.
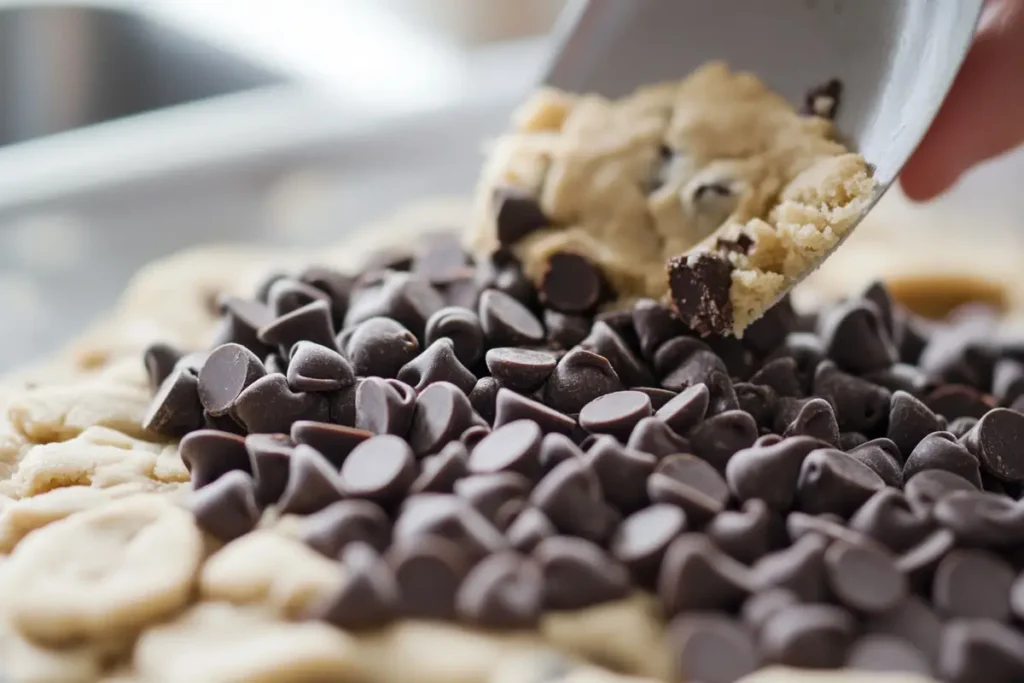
(511, 406)
(570, 283)
(208, 454)
(850, 440)
(832, 481)
(408, 299)
(513, 447)
(954, 400)
(808, 636)
(823, 100)
(341, 405)
(516, 215)
(770, 472)
(975, 650)
(556, 448)
(642, 538)
(696, 575)
(579, 378)
(759, 401)
(882, 456)
(712, 648)
(747, 534)
(312, 323)
(615, 413)
(570, 496)
(720, 436)
(334, 442)
(910, 420)
(528, 529)
(1007, 380)
(974, 584)
(806, 350)
(655, 323)
(888, 518)
(159, 360)
(438, 473)
(766, 333)
(437, 363)
(380, 469)
(902, 377)
(781, 375)
(981, 518)
(605, 341)
(286, 295)
(335, 284)
(506, 322)
(474, 435)
(827, 525)
(450, 517)
(175, 410)
(938, 451)
(460, 325)
(860, 405)
(677, 350)
(484, 397)
(691, 484)
(269, 460)
(659, 397)
(961, 425)
(815, 419)
(864, 578)
(428, 571)
(379, 347)
(622, 472)
(268, 405)
(392, 257)
(566, 330)
(522, 370)
(384, 406)
(856, 339)
(313, 367)
(998, 442)
(912, 621)
(800, 568)
(761, 606)
(578, 573)
(442, 413)
(683, 412)
(504, 591)
(919, 561)
(440, 259)
(242, 320)
(367, 598)
(653, 436)
(700, 285)
(313, 483)
(226, 508)
(332, 529)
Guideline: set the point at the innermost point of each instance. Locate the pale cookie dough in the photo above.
(671, 170)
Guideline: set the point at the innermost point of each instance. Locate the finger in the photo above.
(983, 114)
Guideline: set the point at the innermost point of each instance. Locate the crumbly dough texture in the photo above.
(668, 170)
(103, 577)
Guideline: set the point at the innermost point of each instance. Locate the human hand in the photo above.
(983, 114)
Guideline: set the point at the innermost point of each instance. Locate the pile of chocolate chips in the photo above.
(835, 489)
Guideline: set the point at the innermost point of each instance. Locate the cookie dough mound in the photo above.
(102, 572)
(715, 167)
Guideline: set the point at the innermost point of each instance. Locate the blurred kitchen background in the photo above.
(132, 129)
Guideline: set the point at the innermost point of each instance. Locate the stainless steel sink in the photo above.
(65, 67)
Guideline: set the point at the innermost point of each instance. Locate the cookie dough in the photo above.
(716, 176)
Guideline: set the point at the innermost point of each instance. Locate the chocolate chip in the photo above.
(747, 534)
(450, 517)
(823, 100)
(677, 350)
(209, 454)
(1007, 380)
(712, 648)
(761, 606)
(578, 574)
(504, 591)
(974, 584)
(781, 375)
(367, 598)
(313, 483)
(998, 442)
(437, 363)
(579, 378)
(882, 457)
(622, 472)
(828, 525)
(902, 377)
(766, 333)
(859, 404)
(910, 420)
(961, 425)
(528, 529)
(720, 436)
(800, 568)
(690, 483)
(808, 636)
(919, 561)
(888, 518)
(474, 435)
(438, 473)
(981, 650)
(226, 508)
(506, 322)
(242, 320)
(832, 481)
(770, 472)
(938, 451)
(269, 460)
(605, 341)
(159, 360)
(380, 469)
(659, 397)
(442, 413)
(655, 323)
(460, 325)
(570, 283)
(806, 350)
(864, 578)
(912, 621)
(286, 295)
(175, 410)
(566, 330)
(428, 571)
(312, 323)
(335, 284)
(758, 401)
(511, 406)
(334, 442)
(522, 370)
(953, 401)
(268, 405)
(642, 538)
(334, 528)
(683, 412)
(406, 298)
(439, 258)
(379, 347)
(513, 447)
(855, 338)
(484, 397)
(695, 575)
(814, 418)
(384, 406)
(981, 518)
(700, 285)
(615, 413)
(556, 448)
(570, 496)
(653, 436)
(517, 214)
(313, 367)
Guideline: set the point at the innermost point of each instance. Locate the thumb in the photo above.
(983, 114)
